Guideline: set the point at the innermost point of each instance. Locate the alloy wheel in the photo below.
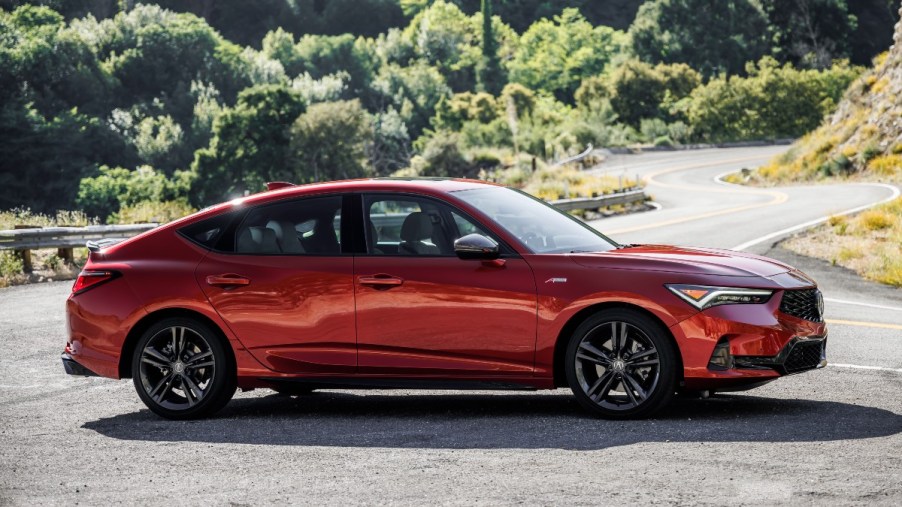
(617, 366)
(177, 368)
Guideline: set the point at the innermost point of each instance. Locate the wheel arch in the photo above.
(560, 345)
(134, 334)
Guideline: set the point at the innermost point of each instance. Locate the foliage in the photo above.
(444, 37)
(442, 156)
(329, 142)
(772, 102)
(490, 76)
(250, 144)
(391, 148)
(711, 36)
(413, 91)
(152, 212)
(555, 55)
(116, 188)
(637, 90)
(811, 33)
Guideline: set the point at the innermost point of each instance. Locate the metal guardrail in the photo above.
(65, 237)
(23, 241)
(626, 197)
(575, 158)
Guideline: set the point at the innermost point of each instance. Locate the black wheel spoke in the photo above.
(633, 385)
(199, 365)
(168, 381)
(629, 391)
(605, 389)
(194, 359)
(641, 354)
(181, 349)
(641, 364)
(154, 362)
(188, 385)
(152, 352)
(589, 352)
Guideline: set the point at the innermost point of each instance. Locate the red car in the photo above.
(455, 284)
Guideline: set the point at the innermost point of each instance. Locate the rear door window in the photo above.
(309, 226)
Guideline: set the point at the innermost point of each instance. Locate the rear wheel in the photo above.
(621, 364)
(181, 369)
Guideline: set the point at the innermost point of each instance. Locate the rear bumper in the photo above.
(74, 368)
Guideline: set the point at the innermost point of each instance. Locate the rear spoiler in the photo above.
(96, 245)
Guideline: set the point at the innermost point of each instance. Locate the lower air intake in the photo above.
(805, 355)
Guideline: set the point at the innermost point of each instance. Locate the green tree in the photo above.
(639, 91)
(446, 38)
(114, 188)
(811, 33)
(329, 142)
(773, 101)
(556, 55)
(712, 36)
(413, 91)
(250, 144)
(489, 73)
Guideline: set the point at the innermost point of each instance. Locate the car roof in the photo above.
(427, 186)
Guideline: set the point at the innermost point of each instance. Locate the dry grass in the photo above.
(869, 243)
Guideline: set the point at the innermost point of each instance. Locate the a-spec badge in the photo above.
(556, 280)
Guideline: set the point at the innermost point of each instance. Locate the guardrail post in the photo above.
(25, 254)
(66, 255)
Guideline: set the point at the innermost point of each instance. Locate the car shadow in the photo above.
(501, 421)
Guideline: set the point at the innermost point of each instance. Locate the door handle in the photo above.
(227, 280)
(380, 281)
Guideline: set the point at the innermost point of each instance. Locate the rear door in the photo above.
(283, 282)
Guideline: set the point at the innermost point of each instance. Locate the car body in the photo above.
(433, 283)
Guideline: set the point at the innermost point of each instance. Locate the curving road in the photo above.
(831, 436)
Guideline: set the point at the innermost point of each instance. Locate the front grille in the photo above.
(804, 304)
(805, 355)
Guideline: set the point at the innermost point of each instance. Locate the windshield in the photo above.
(538, 225)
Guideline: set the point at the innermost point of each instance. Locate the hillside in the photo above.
(862, 139)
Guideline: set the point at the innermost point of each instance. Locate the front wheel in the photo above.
(621, 364)
(181, 369)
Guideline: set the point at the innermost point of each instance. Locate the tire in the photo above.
(195, 382)
(628, 378)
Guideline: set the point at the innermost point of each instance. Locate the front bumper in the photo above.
(74, 368)
(761, 342)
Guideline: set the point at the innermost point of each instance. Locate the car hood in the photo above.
(688, 260)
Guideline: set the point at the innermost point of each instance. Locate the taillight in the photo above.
(90, 279)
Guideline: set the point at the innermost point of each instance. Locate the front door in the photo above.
(285, 288)
(423, 311)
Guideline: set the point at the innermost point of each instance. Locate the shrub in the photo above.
(10, 264)
(886, 165)
(152, 212)
(874, 220)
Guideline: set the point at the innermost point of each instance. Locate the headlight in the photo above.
(704, 296)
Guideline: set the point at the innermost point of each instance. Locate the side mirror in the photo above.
(476, 246)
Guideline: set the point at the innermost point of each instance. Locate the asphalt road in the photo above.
(830, 436)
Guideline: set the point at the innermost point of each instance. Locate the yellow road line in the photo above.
(859, 323)
(777, 197)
